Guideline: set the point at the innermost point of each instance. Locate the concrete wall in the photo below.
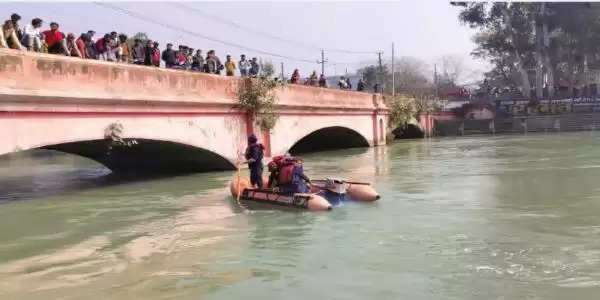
(521, 124)
(49, 99)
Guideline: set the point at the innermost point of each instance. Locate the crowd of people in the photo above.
(117, 47)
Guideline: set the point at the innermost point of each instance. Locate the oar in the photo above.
(238, 183)
(239, 180)
(358, 183)
(345, 181)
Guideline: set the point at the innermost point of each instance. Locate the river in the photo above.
(486, 217)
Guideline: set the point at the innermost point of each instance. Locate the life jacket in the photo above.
(286, 174)
(261, 152)
(286, 166)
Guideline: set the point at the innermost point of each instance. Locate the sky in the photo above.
(295, 29)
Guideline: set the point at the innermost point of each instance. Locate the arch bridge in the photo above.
(137, 118)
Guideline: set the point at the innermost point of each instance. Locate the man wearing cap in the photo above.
(254, 155)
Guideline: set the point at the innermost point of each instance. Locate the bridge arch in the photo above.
(410, 131)
(147, 156)
(329, 138)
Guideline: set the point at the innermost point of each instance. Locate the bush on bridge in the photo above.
(403, 109)
(256, 96)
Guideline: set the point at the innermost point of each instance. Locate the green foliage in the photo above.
(559, 40)
(140, 35)
(411, 77)
(370, 74)
(267, 70)
(256, 95)
(402, 110)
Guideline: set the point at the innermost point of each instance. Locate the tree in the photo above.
(410, 75)
(266, 69)
(412, 78)
(141, 36)
(369, 74)
(554, 40)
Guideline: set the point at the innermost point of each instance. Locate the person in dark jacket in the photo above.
(254, 67)
(149, 53)
(274, 175)
(300, 181)
(254, 156)
(198, 61)
(322, 81)
(169, 56)
(90, 45)
(360, 86)
(137, 53)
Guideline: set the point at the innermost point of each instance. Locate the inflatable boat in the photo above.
(339, 189)
(242, 189)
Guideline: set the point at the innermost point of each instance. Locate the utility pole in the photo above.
(322, 62)
(435, 79)
(282, 78)
(393, 75)
(380, 81)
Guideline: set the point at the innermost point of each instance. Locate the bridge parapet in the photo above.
(33, 75)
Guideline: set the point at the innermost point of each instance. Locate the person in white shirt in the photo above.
(32, 36)
(244, 65)
(343, 84)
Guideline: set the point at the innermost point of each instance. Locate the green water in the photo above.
(505, 217)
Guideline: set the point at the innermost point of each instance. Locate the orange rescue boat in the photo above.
(242, 189)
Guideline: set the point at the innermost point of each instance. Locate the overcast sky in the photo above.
(422, 29)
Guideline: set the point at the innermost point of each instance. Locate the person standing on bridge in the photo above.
(295, 77)
(254, 68)
(138, 53)
(149, 53)
(155, 55)
(55, 40)
(14, 41)
(9, 37)
(229, 66)
(169, 56)
(254, 155)
(32, 35)
(360, 86)
(322, 81)
(198, 61)
(244, 65)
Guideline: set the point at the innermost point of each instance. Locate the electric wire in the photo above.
(193, 33)
(269, 35)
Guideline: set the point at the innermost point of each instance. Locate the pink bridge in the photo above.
(180, 121)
